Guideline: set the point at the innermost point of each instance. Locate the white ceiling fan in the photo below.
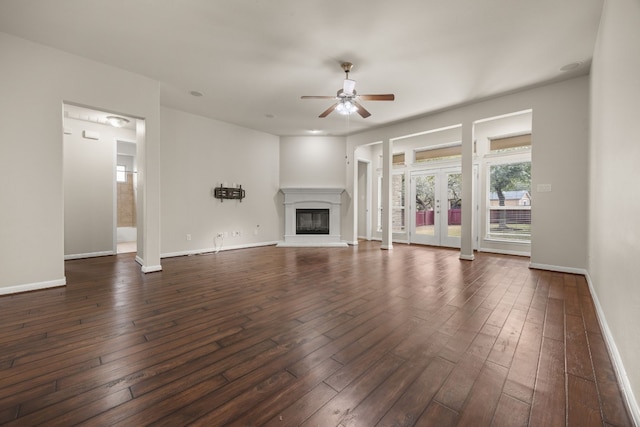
(347, 97)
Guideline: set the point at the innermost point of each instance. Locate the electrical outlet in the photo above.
(188, 236)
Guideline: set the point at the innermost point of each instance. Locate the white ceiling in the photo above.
(253, 59)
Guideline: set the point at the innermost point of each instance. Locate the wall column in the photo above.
(387, 160)
(468, 207)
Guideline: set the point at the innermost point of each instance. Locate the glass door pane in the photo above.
(424, 219)
(452, 209)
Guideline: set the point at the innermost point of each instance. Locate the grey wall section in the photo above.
(35, 81)
(614, 194)
(312, 161)
(199, 154)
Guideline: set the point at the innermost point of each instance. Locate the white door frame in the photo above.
(440, 236)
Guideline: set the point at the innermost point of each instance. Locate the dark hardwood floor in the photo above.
(272, 336)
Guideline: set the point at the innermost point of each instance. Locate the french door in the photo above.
(436, 207)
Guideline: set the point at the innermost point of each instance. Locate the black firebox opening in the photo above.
(312, 221)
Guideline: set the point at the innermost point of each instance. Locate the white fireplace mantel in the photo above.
(312, 198)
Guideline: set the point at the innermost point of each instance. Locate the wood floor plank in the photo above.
(584, 409)
(549, 397)
(511, 413)
(407, 409)
(308, 336)
(437, 415)
(577, 349)
(341, 406)
(524, 367)
(484, 396)
(613, 409)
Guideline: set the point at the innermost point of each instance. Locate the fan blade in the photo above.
(382, 97)
(326, 112)
(318, 97)
(361, 110)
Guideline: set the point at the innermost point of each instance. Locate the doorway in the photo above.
(436, 207)
(364, 189)
(99, 159)
(126, 211)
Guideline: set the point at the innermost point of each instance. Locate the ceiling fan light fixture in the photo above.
(349, 86)
(346, 107)
(117, 121)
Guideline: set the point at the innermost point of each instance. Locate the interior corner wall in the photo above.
(199, 154)
(614, 196)
(319, 161)
(89, 176)
(35, 80)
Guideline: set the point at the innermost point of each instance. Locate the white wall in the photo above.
(614, 206)
(89, 187)
(34, 82)
(199, 154)
(312, 161)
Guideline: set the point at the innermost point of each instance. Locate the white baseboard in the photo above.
(27, 287)
(147, 268)
(312, 245)
(213, 250)
(151, 268)
(88, 255)
(504, 252)
(558, 268)
(467, 257)
(616, 359)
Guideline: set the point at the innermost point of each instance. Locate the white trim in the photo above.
(616, 359)
(312, 198)
(355, 242)
(205, 251)
(467, 257)
(387, 247)
(33, 286)
(558, 268)
(139, 260)
(89, 255)
(301, 244)
(506, 252)
(151, 268)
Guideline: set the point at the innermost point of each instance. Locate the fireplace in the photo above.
(312, 221)
(312, 217)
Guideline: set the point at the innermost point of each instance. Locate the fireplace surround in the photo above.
(309, 201)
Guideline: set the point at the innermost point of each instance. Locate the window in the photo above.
(398, 159)
(440, 153)
(397, 203)
(509, 204)
(121, 173)
(398, 211)
(510, 143)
